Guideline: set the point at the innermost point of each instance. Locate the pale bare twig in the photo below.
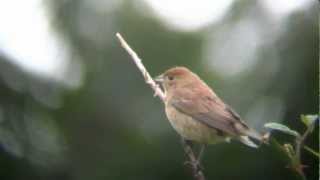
(195, 165)
(148, 79)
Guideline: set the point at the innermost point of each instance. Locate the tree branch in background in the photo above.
(294, 154)
(300, 139)
(195, 165)
(300, 143)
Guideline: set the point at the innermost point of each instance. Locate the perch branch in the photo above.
(195, 165)
(193, 161)
(148, 79)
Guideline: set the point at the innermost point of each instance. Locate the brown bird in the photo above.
(197, 113)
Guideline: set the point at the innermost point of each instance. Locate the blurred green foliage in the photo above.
(112, 127)
(294, 153)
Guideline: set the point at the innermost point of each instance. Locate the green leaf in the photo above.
(282, 128)
(308, 120)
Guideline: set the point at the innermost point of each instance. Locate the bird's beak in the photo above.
(159, 79)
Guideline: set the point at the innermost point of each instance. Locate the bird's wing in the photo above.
(211, 111)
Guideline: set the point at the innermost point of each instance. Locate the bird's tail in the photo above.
(252, 139)
(254, 135)
(245, 140)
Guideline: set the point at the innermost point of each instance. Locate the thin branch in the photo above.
(300, 141)
(193, 161)
(299, 144)
(313, 152)
(195, 165)
(148, 79)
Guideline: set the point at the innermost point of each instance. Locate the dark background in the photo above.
(111, 127)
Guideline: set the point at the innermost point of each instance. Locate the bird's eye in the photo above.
(170, 78)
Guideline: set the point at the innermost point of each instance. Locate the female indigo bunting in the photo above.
(197, 113)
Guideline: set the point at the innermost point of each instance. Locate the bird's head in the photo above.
(176, 77)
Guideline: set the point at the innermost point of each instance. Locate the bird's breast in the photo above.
(190, 128)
